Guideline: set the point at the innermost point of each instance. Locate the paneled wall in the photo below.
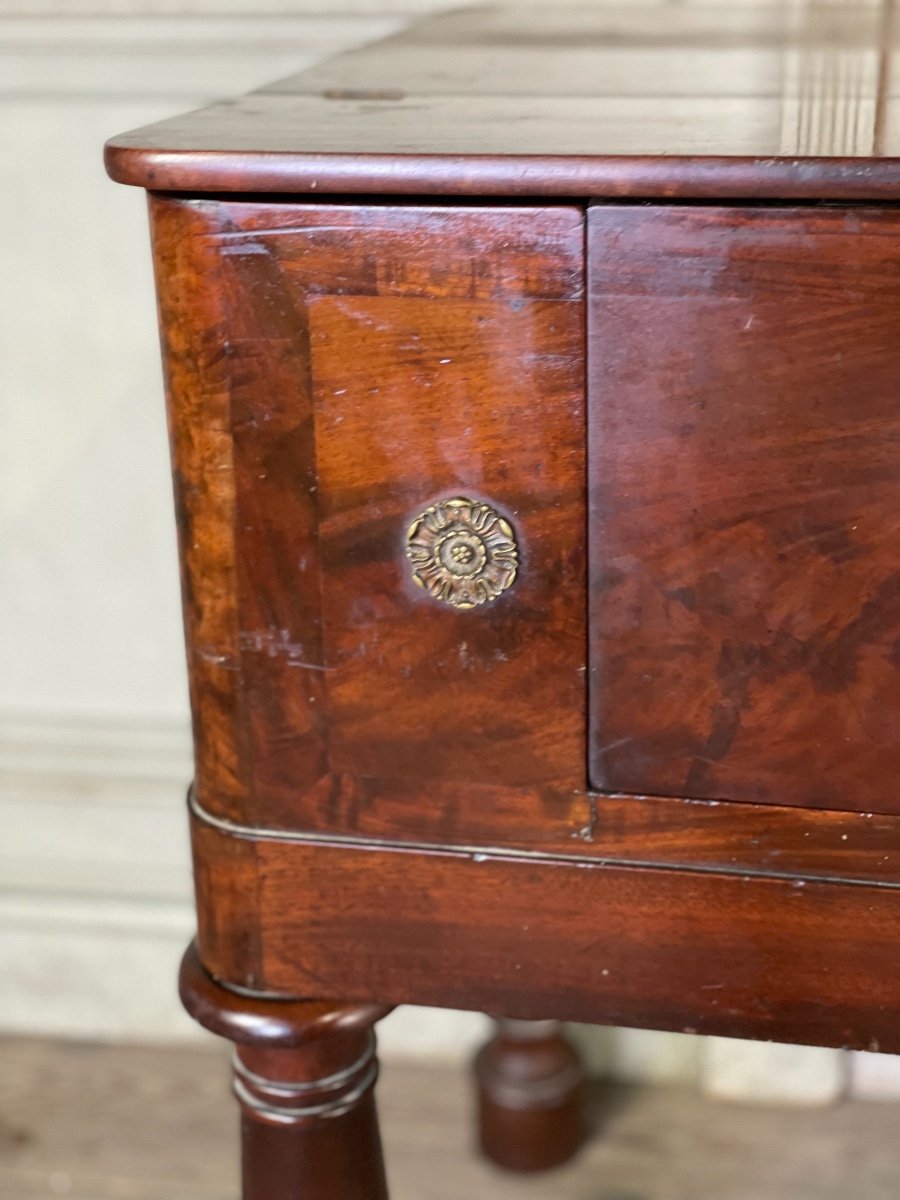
(94, 744)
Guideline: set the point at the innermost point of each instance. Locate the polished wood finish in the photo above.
(269, 1021)
(745, 504)
(751, 101)
(304, 1073)
(531, 1096)
(313, 655)
(793, 960)
(683, 419)
(286, 1158)
(647, 831)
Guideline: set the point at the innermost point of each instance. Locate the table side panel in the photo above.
(363, 363)
(745, 504)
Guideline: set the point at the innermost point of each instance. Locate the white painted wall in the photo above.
(94, 744)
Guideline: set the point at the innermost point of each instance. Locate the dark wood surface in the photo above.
(745, 504)
(303, 349)
(304, 1075)
(791, 960)
(754, 100)
(750, 839)
(333, 371)
(532, 1096)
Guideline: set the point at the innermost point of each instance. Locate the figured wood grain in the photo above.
(745, 504)
(370, 361)
(798, 961)
(754, 101)
(234, 632)
(190, 304)
(430, 390)
(551, 824)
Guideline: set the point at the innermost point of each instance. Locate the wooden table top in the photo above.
(761, 99)
(779, 100)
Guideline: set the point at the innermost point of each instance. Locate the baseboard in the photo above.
(95, 809)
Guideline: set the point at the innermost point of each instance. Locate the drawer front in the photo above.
(744, 483)
(378, 433)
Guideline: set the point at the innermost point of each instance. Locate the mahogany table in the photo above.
(534, 390)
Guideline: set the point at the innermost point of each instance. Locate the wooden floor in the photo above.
(114, 1123)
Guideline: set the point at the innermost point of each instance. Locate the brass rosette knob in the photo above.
(462, 552)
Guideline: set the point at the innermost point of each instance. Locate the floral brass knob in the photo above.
(462, 552)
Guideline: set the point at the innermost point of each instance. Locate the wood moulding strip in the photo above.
(700, 837)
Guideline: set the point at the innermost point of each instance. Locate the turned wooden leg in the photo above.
(531, 1096)
(304, 1074)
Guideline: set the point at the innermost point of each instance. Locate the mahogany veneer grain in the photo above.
(745, 504)
(332, 371)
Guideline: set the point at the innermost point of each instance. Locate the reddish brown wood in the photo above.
(198, 409)
(266, 1022)
(745, 491)
(304, 1074)
(284, 1157)
(531, 1096)
(719, 101)
(508, 176)
(731, 954)
(371, 362)
(644, 830)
